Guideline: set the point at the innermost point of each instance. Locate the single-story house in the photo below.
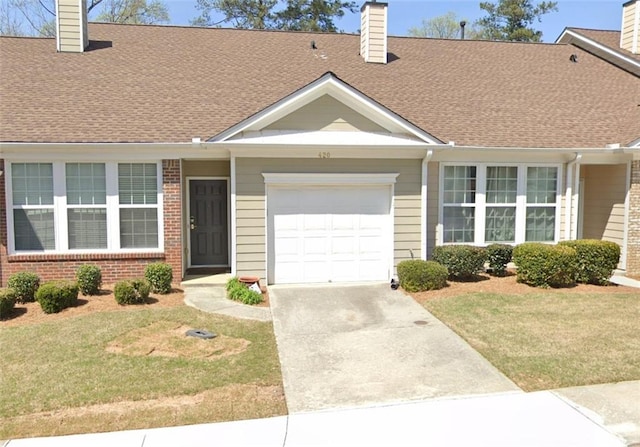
(308, 157)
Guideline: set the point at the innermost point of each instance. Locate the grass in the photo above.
(63, 376)
(550, 339)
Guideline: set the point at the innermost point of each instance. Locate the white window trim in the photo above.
(60, 210)
(480, 203)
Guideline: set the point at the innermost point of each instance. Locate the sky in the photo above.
(404, 14)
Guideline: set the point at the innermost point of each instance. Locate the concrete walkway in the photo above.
(500, 420)
(213, 299)
(344, 346)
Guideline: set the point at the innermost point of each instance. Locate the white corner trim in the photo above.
(423, 204)
(234, 231)
(329, 179)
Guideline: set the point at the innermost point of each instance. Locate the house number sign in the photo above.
(324, 154)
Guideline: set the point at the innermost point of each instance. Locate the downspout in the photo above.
(423, 195)
(569, 222)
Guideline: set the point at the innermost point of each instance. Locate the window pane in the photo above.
(86, 184)
(87, 228)
(541, 224)
(458, 224)
(459, 184)
(541, 184)
(137, 183)
(138, 228)
(34, 229)
(500, 224)
(32, 183)
(502, 184)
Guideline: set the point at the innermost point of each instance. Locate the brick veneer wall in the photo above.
(633, 234)
(114, 266)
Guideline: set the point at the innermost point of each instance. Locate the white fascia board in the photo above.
(337, 152)
(326, 138)
(573, 35)
(328, 84)
(110, 151)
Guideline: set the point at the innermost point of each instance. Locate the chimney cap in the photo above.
(373, 2)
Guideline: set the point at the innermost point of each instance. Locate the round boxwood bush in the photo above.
(462, 261)
(132, 291)
(416, 275)
(238, 291)
(53, 296)
(7, 301)
(89, 279)
(596, 259)
(543, 265)
(24, 284)
(159, 276)
(498, 256)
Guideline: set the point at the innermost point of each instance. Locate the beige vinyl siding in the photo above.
(629, 25)
(604, 197)
(326, 113)
(250, 203)
(73, 25)
(374, 34)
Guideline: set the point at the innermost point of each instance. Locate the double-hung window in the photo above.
(60, 207)
(499, 203)
(33, 207)
(86, 186)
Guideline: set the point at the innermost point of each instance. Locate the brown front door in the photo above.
(208, 223)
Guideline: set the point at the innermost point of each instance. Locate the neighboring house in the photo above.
(302, 157)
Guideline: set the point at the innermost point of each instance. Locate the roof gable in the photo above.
(346, 109)
(600, 43)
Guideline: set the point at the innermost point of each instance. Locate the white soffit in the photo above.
(328, 84)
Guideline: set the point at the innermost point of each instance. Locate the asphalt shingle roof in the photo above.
(170, 84)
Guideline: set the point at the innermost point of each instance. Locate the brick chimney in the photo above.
(630, 31)
(373, 32)
(71, 26)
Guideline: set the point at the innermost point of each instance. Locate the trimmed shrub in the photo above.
(238, 291)
(89, 279)
(53, 296)
(596, 259)
(416, 275)
(7, 301)
(24, 284)
(462, 261)
(132, 291)
(498, 256)
(159, 276)
(543, 265)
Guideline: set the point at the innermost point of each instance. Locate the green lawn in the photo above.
(550, 339)
(59, 377)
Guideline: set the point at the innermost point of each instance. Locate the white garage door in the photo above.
(329, 234)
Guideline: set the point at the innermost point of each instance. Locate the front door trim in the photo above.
(187, 229)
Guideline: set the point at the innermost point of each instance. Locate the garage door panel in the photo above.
(322, 234)
(314, 221)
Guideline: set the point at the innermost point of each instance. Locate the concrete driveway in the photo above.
(348, 346)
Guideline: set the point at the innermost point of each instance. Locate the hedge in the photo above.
(543, 265)
(462, 261)
(596, 259)
(53, 296)
(416, 275)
